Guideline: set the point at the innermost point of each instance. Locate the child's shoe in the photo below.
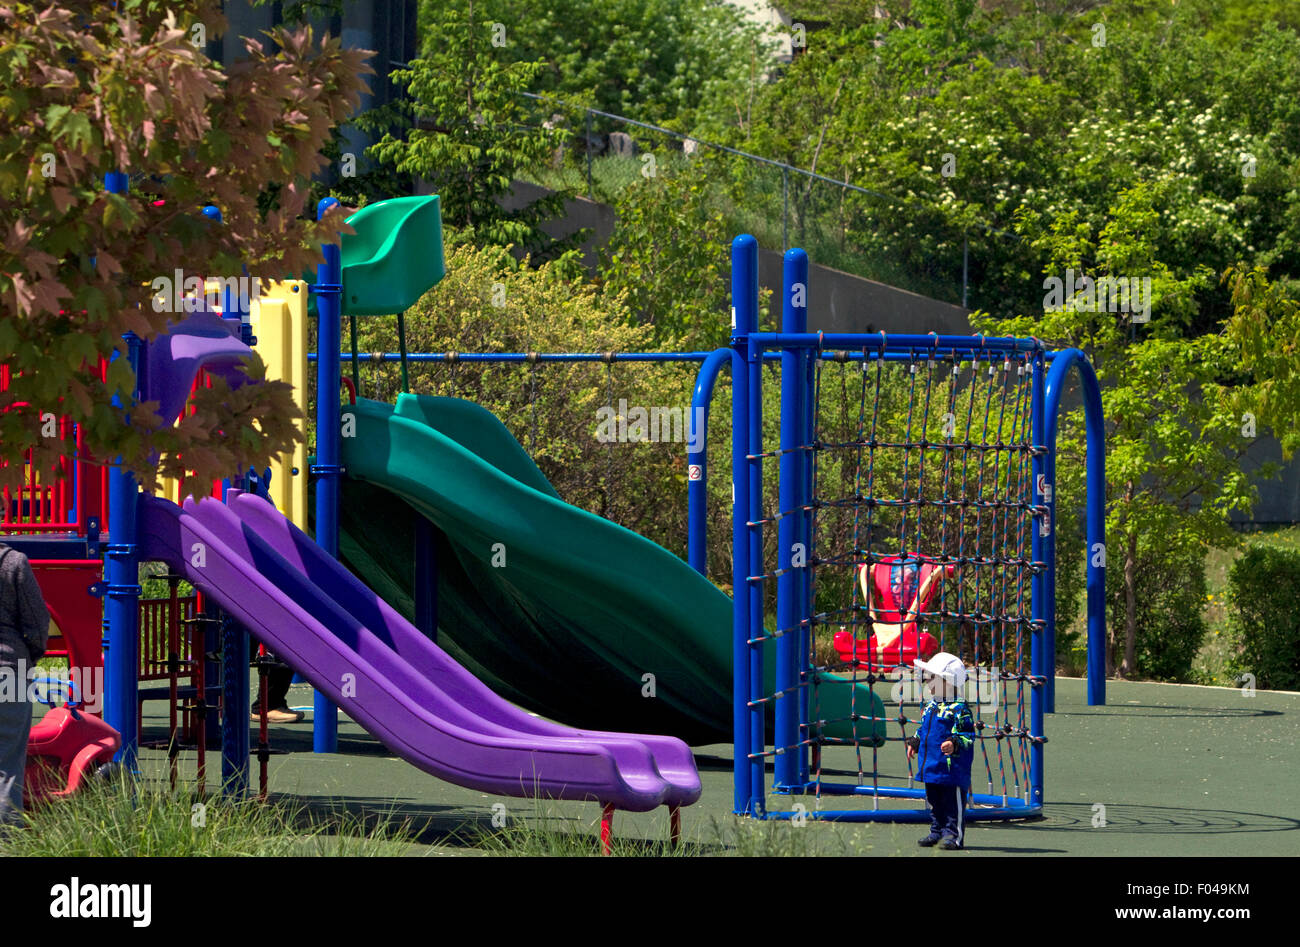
(929, 840)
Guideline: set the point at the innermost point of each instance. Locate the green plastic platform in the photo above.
(395, 256)
(575, 610)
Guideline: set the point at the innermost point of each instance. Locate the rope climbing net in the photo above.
(909, 519)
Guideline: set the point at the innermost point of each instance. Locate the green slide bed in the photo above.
(554, 608)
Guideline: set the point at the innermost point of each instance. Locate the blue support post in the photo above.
(329, 291)
(1039, 660)
(810, 408)
(791, 552)
(235, 697)
(746, 305)
(1050, 604)
(805, 518)
(744, 273)
(697, 460)
(1095, 426)
(426, 579)
(122, 574)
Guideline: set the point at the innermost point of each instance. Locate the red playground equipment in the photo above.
(901, 588)
(64, 749)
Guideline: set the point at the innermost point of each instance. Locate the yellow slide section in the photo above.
(279, 321)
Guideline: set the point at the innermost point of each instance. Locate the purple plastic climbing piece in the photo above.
(204, 340)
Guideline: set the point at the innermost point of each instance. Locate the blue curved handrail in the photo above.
(1062, 362)
(697, 493)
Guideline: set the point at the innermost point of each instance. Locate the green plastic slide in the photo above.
(556, 609)
(395, 256)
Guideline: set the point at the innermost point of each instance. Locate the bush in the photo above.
(1171, 592)
(490, 303)
(1264, 616)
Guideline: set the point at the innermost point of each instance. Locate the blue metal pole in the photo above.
(122, 573)
(803, 583)
(1095, 426)
(757, 609)
(1096, 429)
(697, 462)
(747, 315)
(873, 340)
(743, 250)
(1050, 603)
(806, 533)
(791, 554)
(329, 290)
(1038, 592)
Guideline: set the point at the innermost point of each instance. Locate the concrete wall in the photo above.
(842, 302)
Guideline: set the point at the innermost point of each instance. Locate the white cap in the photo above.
(944, 665)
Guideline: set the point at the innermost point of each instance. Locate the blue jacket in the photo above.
(942, 721)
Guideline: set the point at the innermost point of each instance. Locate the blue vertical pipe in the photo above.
(122, 572)
(791, 555)
(1095, 426)
(235, 696)
(329, 291)
(426, 579)
(747, 315)
(744, 269)
(697, 462)
(810, 367)
(1039, 658)
(800, 276)
(1096, 538)
(1049, 606)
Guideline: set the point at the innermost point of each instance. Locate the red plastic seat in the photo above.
(63, 749)
(897, 591)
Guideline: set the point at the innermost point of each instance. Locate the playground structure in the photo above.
(398, 675)
(970, 501)
(978, 530)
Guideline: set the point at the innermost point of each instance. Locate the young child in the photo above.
(944, 746)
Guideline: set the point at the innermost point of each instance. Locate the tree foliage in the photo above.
(85, 90)
(659, 61)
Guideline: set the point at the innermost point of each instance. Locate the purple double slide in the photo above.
(388, 676)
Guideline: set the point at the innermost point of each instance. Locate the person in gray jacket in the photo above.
(24, 631)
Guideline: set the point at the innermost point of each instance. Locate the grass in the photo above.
(119, 817)
(547, 835)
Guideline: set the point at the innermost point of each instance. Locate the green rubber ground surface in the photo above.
(1181, 771)
(563, 612)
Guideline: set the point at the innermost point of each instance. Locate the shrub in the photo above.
(1171, 589)
(1264, 616)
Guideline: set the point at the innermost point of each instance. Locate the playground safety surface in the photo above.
(1180, 771)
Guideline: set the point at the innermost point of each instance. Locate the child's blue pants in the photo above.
(947, 811)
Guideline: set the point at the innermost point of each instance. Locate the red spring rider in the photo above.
(897, 591)
(65, 748)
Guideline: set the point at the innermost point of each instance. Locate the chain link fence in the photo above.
(903, 243)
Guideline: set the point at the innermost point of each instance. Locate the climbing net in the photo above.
(910, 492)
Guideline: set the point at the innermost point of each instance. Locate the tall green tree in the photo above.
(1174, 439)
(660, 61)
(466, 130)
